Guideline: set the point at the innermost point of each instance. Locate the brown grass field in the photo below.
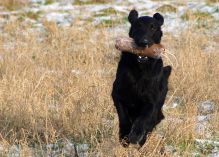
(59, 88)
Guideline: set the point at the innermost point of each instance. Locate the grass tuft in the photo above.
(13, 4)
(196, 15)
(166, 8)
(86, 2)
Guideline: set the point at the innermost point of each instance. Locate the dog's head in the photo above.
(145, 30)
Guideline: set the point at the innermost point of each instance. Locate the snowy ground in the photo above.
(68, 13)
(114, 15)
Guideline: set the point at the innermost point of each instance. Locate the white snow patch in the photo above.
(121, 8)
(149, 6)
(174, 24)
(203, 118)
(215, 15)
(38, 1)
(96, 8)
(98, 20)
(14, 151)
(203, 141)
(63, 19)
(208, 9)
(54, 7)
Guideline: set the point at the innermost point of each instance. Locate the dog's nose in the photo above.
(144, 42)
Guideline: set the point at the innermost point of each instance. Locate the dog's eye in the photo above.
(139, 25)
(153, 27)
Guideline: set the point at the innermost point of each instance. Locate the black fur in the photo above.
(140, 87)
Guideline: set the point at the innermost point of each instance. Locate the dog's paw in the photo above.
(135, 138)
(125, 142)
(135, 146)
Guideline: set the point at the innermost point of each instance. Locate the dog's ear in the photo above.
(133, 16)
(159, 18)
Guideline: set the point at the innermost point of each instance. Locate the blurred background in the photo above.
(58, 63)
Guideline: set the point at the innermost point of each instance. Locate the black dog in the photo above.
(141, 83)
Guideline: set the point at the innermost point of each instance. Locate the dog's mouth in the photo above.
(143, 43)
(157, 52)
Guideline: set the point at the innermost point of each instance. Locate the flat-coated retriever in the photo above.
(141, 83)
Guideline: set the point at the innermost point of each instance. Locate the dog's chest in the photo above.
(146, 86)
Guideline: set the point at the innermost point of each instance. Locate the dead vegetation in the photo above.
(56, 85)
(13, 4)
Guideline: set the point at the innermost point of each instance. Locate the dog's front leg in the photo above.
(124, 124)
(142, 125)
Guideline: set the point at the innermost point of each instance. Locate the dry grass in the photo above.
(213, 1)
(13, 4)
(60, 88)
(81, 2)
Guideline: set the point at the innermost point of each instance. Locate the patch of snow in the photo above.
(53, 7)
(206, 142)
(206, 107)
(216, 15)
(82, 147)
(208, 9)
(191, 5)
(209, 146)
(51, 146)
(121, 8)
(96, 8)
(148, 7)
(203, 128)
(214, 155)
(14, 151)
(76, 149)
(170, 149)
(181, 10)
(63, 19)
(195, 6)
(98, 20)
(174, 24)
(177, 101)
(195, 154)
(133, 1)
(69, 149)
(203, 118)
(38, 1)
(101, 18)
